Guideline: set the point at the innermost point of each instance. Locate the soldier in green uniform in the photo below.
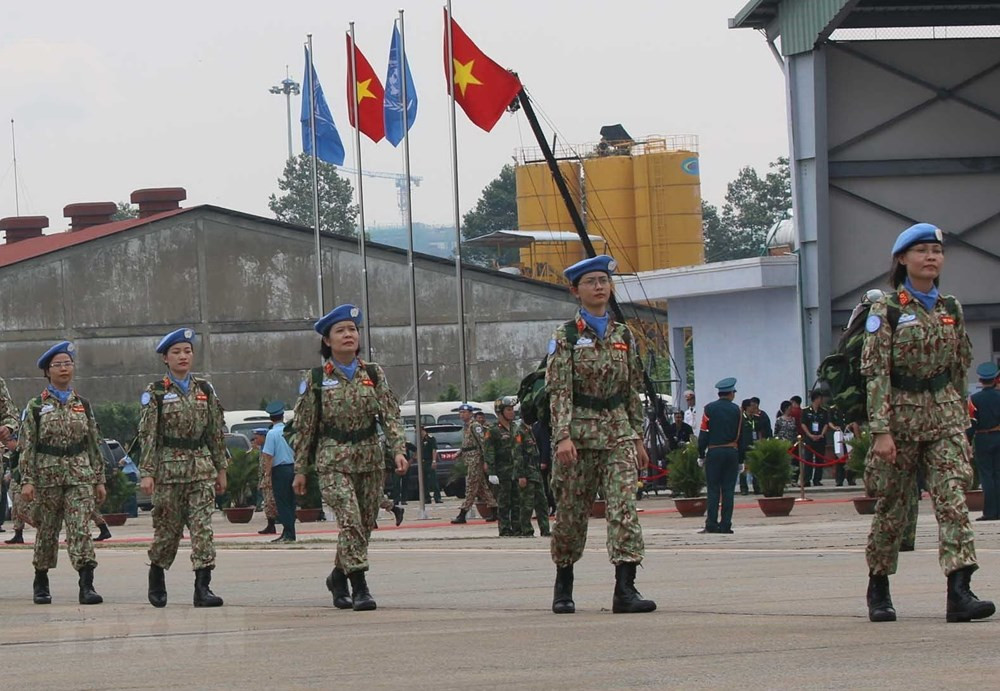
(915, 356)
(984, 407)
(528, 473)
(473, 456)
(268, 504)
(183, 466)
(500, 450)
(8, 443)
(340, 407)
(62, 468)
(593, 378)
(722, 443)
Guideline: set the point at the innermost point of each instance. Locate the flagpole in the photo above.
(315, 175)
(458, 218)
(365, 310)
(418, 442)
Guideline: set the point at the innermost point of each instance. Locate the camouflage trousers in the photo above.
(354, 498)
(948, 473)
(267, 494)
(385, 502)
(21, 511)
(54, 505)
(614, 473)
(508, 503)
(175, 506)
(476, 487)
(532, 498)
(97, 517)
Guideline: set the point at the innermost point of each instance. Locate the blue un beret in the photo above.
(914, 235)
(988, 371)
(63, 347)
(464, 406)
(726, 385)
(601, 262)
(275, 408)
(182, 335)
(262, 431)
(338, 314)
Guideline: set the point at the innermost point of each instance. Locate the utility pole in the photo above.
(289, 88)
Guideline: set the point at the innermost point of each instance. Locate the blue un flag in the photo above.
(393, 104)
(329, 148)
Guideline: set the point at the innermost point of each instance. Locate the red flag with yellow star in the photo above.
(370, 95)
(483, 88)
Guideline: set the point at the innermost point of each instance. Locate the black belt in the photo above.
(583, 400)
(469, 448)
(65, 451)
(344, 436)
(183, 443)
(918, 385)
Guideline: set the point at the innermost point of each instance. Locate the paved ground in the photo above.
(780, 604)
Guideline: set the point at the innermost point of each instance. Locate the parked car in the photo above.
(449, 442)
(245, 421)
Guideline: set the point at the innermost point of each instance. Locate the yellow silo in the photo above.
(539, 204)
(609, 198)
(668, 209)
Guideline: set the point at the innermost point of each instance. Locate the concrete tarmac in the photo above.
(777, 605)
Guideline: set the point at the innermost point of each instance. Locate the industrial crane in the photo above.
(400, 184)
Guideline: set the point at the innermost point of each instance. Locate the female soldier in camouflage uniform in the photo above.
(335, 430)
(916, 355)
(59, 457)
(183, 466)
(593, 379)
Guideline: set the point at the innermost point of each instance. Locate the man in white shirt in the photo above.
(691, 413)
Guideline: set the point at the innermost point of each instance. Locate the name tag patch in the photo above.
(330, 383)
(585, 343)
(907, 318)
(170, 397)
(47, 408)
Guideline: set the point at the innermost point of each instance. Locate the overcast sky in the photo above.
(114, 96)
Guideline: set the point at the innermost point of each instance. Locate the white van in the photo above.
(245, 421)
(440, 413)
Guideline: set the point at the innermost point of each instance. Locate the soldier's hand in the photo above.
(884, 447)
(299, 484)
(220, 482)
(522, 482)
(146, 485)
(566, 451)
(100, 493)
(642, 457)
(28, 492)
(402, 465)
(4, 433)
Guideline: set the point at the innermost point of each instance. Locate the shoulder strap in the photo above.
(951, 304)
(206, 388)
(36, 410)
(372, 371)
(571, 332)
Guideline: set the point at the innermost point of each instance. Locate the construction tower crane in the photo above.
(400, 184)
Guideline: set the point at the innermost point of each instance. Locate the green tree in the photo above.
(451, 393)
(336, 212)
(496, 388)
(753, 205)
(495, 210)
(118, 421)
(125, 212)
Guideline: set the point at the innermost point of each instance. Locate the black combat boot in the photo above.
(157, 586)
(41, 588)
(879, 602)
(88, 596)
(105, 534)
(626, 598)
(203, 595)
(460, 518)
(269, 529)
(397, 511)
(963, 605)
(362, 600)
(336, 583)
(493, 516)
(562, 593)
(17, 539)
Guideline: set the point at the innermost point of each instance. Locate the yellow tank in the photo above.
(609, 198)
(668, 209)
(539, 204)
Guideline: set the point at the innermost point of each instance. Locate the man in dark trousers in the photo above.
(721, 443)
(984, 408)
(814, 426)
(279, 462)
(680, 432)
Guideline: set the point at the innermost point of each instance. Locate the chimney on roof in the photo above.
(86, 214)
(23, 227)
(156, 200)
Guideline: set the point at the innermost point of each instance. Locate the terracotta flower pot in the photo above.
(974, 499)
(484, 509)
(308, 515)
(692, 507)
(599, 509)
(119, 518)
(865, 505)
(242, 514)
(776, 506)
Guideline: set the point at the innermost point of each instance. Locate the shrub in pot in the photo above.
(242, 476)
(120, 490)
(686, 480)
(767, 459)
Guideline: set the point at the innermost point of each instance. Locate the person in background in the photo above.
(814, 425)
(722, 445)
(543, 440)
(750, 423)
(764, 427)
(690, 412)
(279, 462)
(680, 432)
(131, 471)
(266, 492)
(984, 409)
(429, 459)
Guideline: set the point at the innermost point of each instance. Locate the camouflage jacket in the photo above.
(511, 452)
(594, 387)
(347, 407)
(473, 452)
(924, 344)
(58, 443)
(181, 434)
(8, 412)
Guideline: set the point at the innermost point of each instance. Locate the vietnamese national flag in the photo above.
(483, 88)
(370, 95)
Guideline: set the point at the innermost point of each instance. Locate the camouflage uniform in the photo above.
(532, 497)
(266, 491)
(473, 455)
(500, 449)
(345, 448)
(183, 450)
(59, 456)
(930, 350)
(594, 400)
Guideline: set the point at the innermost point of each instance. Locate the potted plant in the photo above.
(974, 495)
(310, 504)
(767, 459)
(686, 480)
(241, 480)
(120, 489)
(860, 447)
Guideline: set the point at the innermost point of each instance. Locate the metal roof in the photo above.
(524, 238)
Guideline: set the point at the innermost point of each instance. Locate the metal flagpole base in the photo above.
(424, 516)
(472, 512)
